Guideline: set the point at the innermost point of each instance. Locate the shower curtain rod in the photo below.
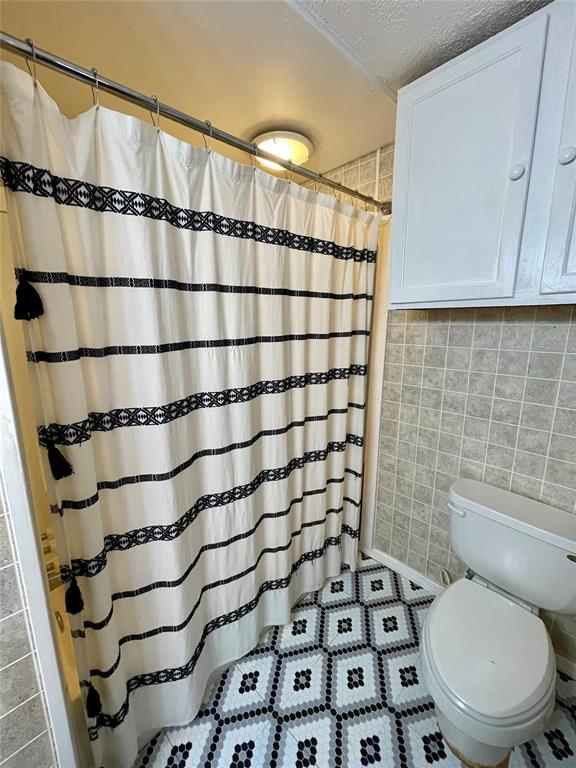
(94, 78)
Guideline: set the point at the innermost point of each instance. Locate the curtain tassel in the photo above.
(28, 301)
(74, 601)
(93, 703)
(59, 464)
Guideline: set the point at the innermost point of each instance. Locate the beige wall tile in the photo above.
(487, 393)
(492, 394)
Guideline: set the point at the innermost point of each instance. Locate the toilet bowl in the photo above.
(486, 654)
(490, 668)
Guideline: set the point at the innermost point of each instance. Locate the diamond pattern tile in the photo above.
(339, 686)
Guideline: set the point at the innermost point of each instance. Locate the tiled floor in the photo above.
(339, 686)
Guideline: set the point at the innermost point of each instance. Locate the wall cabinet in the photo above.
(485, 179)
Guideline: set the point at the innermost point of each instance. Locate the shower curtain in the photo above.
(198, 337)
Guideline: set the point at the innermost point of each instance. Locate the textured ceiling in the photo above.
(396, 41)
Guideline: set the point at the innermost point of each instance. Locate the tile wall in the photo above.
(488, 394)
(25, 735)
(370, 174)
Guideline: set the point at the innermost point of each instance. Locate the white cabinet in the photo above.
(559, 272)
(466, 138)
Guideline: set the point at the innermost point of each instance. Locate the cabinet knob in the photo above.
(567, 154)
(516, 172)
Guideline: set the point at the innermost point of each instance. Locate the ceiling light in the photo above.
(286, 145)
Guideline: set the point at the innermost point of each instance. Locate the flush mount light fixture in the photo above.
(286, 145)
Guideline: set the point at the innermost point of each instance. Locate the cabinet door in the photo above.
(559, 273)
(464, 141)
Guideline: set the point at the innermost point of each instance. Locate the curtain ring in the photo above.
(156, 123)
(33, 71)
(95, 89)
(208, 125)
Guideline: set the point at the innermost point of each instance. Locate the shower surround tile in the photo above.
(340, 685)
(496, 402)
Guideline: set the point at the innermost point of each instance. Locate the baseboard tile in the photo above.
(405, 570)
(568, 666)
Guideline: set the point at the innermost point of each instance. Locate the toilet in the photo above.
(486, 654)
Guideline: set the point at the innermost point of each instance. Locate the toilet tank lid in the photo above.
(527, 515)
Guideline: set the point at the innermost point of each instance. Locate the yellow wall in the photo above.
(15, 344)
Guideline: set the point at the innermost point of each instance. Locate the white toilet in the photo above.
(486, 655)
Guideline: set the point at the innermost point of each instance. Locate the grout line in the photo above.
(556, 408)
(517, 425)
(435, 468)
(409, 548)
(404, 429)
(23, 747)
(492, 466)
(38, 693)
(21, 658)
(522, 407)
(11, 615)
(466, 407)
(394, 511)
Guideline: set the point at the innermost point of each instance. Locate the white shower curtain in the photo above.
(201, 366)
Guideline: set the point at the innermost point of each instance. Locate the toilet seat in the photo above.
(489, 663)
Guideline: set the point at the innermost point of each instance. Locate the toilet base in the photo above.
(470, 751)
(469, 764)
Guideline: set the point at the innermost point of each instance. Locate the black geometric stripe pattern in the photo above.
(79, 431)
(157, 477)
(175, 674)
(161, 630)
(87, 281)
(122, 541)
(91, 500)
(23, 177)
(170, 584)
(70, 355)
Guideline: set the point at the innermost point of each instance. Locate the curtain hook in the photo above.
(95, 89)
(208, 125)
(155, 123)
(33, 71)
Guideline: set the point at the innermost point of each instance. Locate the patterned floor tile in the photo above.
(310, 742)
(376, 586)
(356, 680)
(241, 745)
(556, 746)
(156, 753)
(404, 680)
(304, 629)
(428, 748)
(301, 683)
(340, 686)
(249, 684)
(411, 592)
(391, 626)
(337, 590)
(368, 741)
(345, 626)
(189, 745)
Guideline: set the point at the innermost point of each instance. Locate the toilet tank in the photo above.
(526, 547)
